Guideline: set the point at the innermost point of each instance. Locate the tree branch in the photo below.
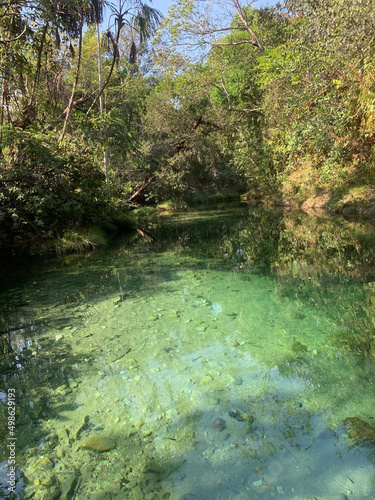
(142, 188)
(251, 42)
(241, 15)
(81, 100)
(4, 42)
(226, 93)
(38, 65)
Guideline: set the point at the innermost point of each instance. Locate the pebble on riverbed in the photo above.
(219, 424)
(241, 416)
(98, 444)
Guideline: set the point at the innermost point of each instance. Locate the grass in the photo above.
(80, 240)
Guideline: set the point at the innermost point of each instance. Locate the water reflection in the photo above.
(221, 360)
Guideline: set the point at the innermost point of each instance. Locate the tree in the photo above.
(28, 31)
(140, 18)
(319, 97)
(227, 81)
(193, 27)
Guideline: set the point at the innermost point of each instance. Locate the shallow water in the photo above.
(231, 357)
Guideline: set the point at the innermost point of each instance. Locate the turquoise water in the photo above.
(228, 355)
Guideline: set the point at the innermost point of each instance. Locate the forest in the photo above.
(187, 250)
(109, 110)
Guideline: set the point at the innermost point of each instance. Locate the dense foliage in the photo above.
(70, 116)
(276, 102)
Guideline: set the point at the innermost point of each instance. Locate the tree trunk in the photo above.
(100, 96)
(38, 67)
(71, 100)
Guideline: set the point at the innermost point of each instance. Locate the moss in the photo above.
(360, 431)
(360, 342)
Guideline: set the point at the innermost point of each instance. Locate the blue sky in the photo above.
(162, 5)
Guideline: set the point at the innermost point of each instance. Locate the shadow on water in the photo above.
(74, 368)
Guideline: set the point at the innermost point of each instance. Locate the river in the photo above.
(222, 355)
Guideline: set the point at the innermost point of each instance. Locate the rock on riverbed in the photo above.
(98, 443)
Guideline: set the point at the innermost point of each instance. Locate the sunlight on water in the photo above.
(230, 358)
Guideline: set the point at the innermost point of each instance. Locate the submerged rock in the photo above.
(241, 416)
(98, 443)
(84, 425)
(68, 487)
(299, 347)
(153, 318)
(137, 493)
(360, 431)
(219, 424)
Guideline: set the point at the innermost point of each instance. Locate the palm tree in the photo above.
(140, 18)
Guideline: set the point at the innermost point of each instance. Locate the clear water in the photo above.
(222, 360)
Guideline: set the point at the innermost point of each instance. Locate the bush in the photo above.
(46, 189)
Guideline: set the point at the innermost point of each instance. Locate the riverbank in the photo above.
(358, 203)
(347, 190)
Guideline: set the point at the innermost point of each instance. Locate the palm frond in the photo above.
(133, 53)
(97, 11)
(146, 21)
(108, 40)
(71, 50)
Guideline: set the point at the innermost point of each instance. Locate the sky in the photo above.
(163, 5)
